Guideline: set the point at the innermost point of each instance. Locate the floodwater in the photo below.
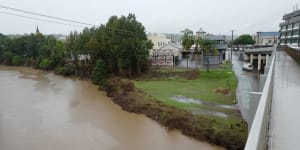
(42, 111)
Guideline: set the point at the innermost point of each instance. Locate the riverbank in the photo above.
(229, 132)
(226, 132)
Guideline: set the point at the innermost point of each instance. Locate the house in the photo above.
(168, 55)
(159, 40)
(221, 46)
(266, 38)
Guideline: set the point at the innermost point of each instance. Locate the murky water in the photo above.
(42, 111)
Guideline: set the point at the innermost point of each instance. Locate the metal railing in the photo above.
(258, 135)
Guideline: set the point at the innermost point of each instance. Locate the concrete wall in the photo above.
(258, 134)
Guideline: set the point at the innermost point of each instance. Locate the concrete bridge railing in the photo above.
(258, 135)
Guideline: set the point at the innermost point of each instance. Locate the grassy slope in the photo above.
(202, 88)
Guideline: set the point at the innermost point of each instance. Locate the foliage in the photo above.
(65, 70)
(245, 39)
(17, 60)
(187, 40)
(6, 57)
(100, 73)
(45, 64)
(121, 43)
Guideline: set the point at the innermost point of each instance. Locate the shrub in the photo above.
(6, 58)
(45, 64)
(193, 74)
(66, 70)
(127, 86)
(100, 73)
(17, 60)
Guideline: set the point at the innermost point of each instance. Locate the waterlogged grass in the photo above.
(202, 88)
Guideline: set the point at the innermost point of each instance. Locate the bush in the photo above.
(66, 70)
(127, 86)
(17, 60)
(193, 74)
(100, 73)
(45, 64)
(6, 58)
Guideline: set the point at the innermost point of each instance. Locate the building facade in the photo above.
(159, 40)
(168, 55)
(290, 30)
(221, 46)
(266, 38)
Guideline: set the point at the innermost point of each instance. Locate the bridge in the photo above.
(274, 111)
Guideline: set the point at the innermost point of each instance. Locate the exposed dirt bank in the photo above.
(214, 130)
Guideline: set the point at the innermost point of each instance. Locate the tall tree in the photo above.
(187, 41)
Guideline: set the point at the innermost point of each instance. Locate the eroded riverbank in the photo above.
(39, 110)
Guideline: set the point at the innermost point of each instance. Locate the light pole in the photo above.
(231, 45)
(200, 33)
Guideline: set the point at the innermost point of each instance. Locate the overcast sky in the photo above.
(167, 16)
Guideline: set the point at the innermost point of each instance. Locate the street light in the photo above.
(200, 33)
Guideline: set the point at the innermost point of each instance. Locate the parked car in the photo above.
(247, 66)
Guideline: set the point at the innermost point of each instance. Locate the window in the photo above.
(296, 25)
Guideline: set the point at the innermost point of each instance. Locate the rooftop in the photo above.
(268, 34)
(291, 15)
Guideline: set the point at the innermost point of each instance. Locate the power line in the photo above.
(38, 14)
(45, 20)
(63, 19)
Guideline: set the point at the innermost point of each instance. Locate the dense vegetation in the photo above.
(119, 47)
(244, 39)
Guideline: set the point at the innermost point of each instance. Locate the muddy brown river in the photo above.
(42, 111)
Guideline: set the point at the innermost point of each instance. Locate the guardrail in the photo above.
(258, 135)
(295, 54)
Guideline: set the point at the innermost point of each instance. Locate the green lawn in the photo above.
(202, 88)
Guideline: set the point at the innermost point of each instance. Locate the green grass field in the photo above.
(203, 88)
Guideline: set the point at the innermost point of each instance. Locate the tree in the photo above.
(245, 39)
(100, 73)
(208, 48)
(126, 45)
(187, 41)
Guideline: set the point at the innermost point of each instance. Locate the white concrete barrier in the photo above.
(258, 135)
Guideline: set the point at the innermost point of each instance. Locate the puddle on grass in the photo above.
(207, 112)
(183, 99)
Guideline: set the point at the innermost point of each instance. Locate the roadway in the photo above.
(284, 123)
(247, 83)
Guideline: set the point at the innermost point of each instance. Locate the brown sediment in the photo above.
(201, 127)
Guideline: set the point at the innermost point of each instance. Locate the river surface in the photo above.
(42, 111)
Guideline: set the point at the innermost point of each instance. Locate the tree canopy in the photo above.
(245, 39)
(188, 39)
(121, 45)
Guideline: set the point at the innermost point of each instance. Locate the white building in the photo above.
(158, 39)
(266, 38)
(168, 55)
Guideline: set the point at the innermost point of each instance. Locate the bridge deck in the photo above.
(285, 112)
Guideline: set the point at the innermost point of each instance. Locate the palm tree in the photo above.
(187, 41)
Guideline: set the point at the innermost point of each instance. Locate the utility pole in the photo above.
(231, 45)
